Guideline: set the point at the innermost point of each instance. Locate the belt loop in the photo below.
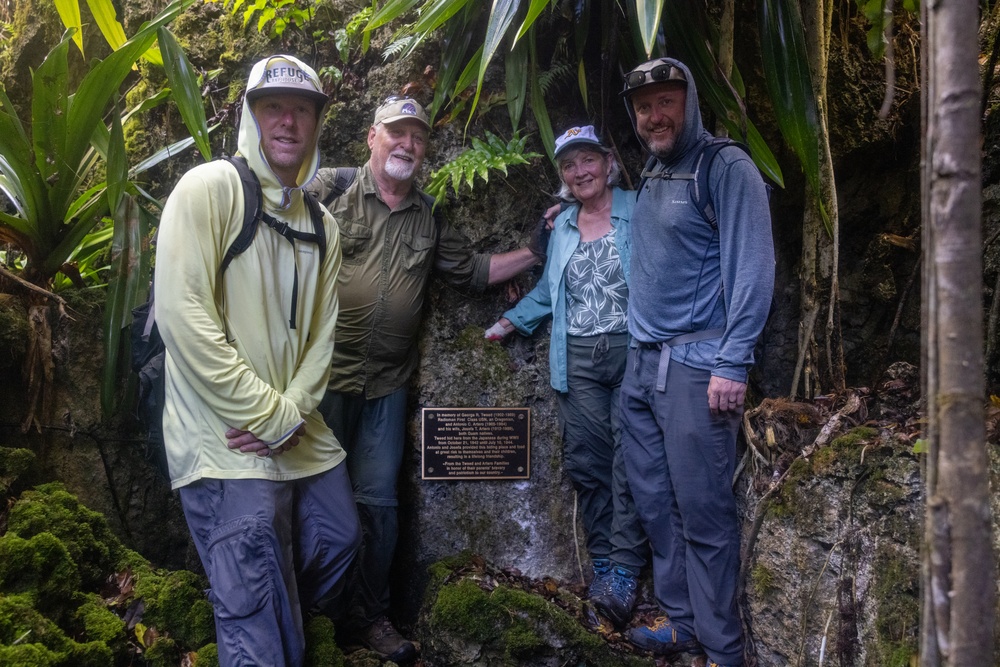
(661, 371)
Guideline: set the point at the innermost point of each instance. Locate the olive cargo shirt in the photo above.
(387, 261)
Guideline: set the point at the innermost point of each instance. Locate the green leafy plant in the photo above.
(64, 171)
(279, 14)
(483, 157)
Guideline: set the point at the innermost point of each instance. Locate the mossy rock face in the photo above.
(67, 584)
(474, 614)
(841, 538)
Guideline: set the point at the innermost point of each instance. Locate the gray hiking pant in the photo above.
(680, 461)
(272, 550)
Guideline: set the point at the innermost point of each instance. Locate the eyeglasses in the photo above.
(664, 72)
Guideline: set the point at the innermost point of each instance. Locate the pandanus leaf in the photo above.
(186, 92)
(786, 73)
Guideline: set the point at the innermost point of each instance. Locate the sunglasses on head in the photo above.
(393, 98)
(663, 72)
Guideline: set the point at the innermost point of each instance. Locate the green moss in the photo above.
(321, 648)
(29, 655)
(164, 652)
(786, 501)
(85, 533)
(40, 567)
(208, 656)
(762, 581)
(897, 613)
(14, 465)
(465, 609)
(175, 600)
(21, 622)
(100, 624)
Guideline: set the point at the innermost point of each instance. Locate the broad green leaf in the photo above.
(648, 12)
(436, 12)
(117, 162)
(684, 24)
(96, 89)
(581, 80)
(73, 233)
(501, 16)
(537, 100)
(165, 154)
(516, 75)
(69, 12)
(786, 73)
(534, 10)
(126, 249)
(186, 93)
(458, 37)
(877, 16)
(107, 21)
(390, 12)
(50, 84)
(19, 177)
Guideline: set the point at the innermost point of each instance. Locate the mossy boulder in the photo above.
(474, 614)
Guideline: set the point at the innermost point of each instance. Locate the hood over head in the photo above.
(658, 71)
(276, 75)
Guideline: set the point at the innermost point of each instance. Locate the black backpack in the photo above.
(698, 188)
(148, 351)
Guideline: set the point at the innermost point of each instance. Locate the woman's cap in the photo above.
(577, 137)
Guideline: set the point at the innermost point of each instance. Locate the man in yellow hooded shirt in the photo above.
(248, 355)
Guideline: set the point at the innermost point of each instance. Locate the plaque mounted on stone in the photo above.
(475, 443)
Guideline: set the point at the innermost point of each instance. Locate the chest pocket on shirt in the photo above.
(355, 241)
(417, 252)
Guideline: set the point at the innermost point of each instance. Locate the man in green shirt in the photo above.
(391, 242)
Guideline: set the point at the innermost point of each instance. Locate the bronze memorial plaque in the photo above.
(475, 443)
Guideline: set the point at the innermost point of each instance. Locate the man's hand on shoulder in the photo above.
(725, 395)
(248, 443)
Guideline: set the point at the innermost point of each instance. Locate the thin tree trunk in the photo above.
(960, 566)
(819, 278)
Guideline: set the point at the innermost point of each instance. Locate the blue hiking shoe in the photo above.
(601, 583)
(617, 603)
(661, 638)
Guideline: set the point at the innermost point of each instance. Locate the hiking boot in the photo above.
(616, 605)
(661, 638)
(382, 638)
(601, 583)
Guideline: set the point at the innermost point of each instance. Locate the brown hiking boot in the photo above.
(382, 638)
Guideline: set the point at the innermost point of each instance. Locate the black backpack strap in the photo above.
(252, 208)
(316, 214)
(700, 190)
(343, 178)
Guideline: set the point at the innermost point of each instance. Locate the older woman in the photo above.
(585, 289)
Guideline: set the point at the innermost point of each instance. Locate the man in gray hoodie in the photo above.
(700, 294)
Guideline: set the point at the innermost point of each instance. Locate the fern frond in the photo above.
(478, 160)
(557, 74)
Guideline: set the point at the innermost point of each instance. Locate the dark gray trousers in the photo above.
(372, 431)
(592, 452)
(680, 461)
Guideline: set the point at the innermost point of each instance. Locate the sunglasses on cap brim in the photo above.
(663, 72)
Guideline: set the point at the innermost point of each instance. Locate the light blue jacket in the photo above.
(549, 295)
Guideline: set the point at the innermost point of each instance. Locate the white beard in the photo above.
(399, 169)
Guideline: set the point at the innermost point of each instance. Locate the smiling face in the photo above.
(585, 172)
(287, 133)
(659, 115)
(397, 150)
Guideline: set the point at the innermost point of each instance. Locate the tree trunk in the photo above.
(820, 367)
(959, 569)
